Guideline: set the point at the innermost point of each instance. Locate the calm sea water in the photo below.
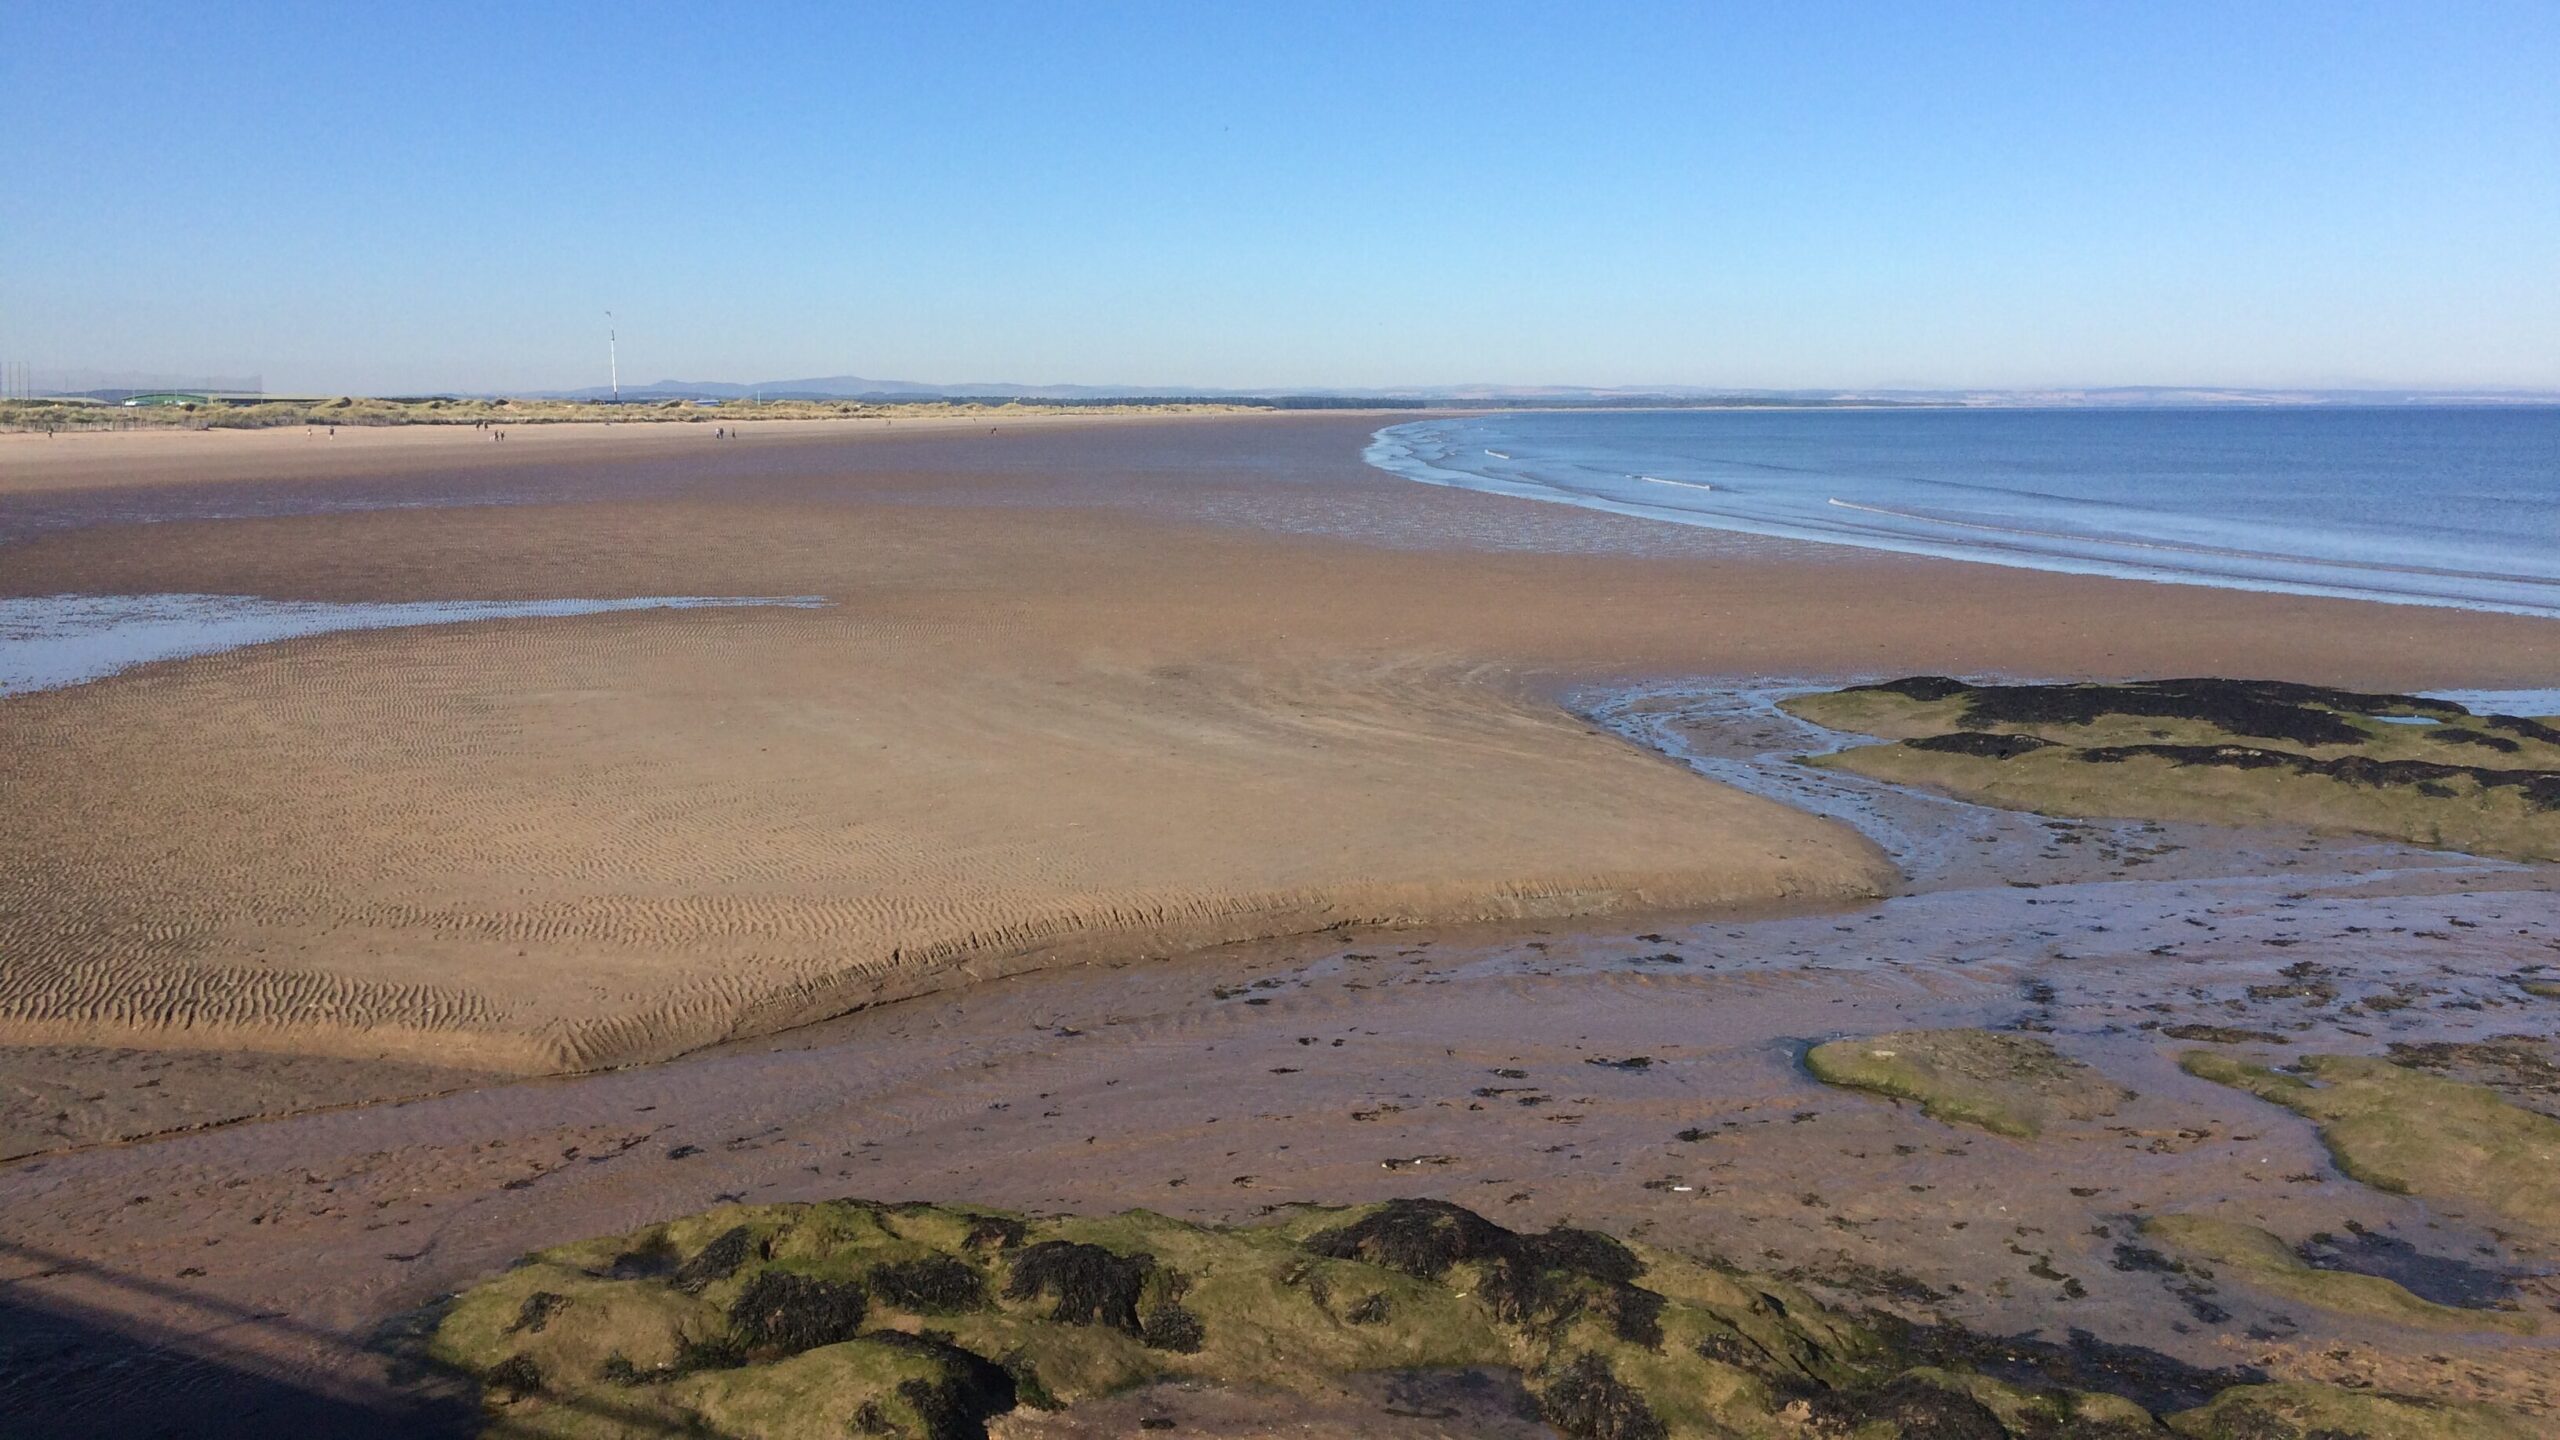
(2455, 507)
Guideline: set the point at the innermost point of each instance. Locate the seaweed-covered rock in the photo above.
(2398, 1129)
(2008, 1084)
(930, 1284)
(1526, 1277)
(2216, 750)
(1915, 1409)
(1092, 1286)
(1917, 687)
(1169, 1326)
(1419, 1237)
(783, 1313)
(538, 1309)
(818, 1329)
(515, 1377)
(1980, 744)
(2320, 1412)
(1586, 1401)
(957, 1403)
(718, 1260)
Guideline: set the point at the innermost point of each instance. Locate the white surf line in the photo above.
(1683, 484)
(2218, 551)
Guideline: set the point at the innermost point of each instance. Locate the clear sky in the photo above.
(394, 198)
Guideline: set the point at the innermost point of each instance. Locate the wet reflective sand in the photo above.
(1112, 588)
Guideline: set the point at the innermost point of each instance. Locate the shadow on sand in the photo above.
(70, 1370)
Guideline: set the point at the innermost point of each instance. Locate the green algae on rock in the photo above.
(2402, 1130)
(2321, 1412)
(2223, 751)
(2259, 1258)
(846, 1317)
(2012, 1085)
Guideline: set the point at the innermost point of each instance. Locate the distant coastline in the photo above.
(93, 401)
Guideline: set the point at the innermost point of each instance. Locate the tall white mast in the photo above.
(613, 356)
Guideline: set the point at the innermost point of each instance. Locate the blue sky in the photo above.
(369, 199)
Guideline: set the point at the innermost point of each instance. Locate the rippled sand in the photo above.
(1091, 695)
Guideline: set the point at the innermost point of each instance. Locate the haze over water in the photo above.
(2432, 506)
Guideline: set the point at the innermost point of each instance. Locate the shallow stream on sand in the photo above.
(49, 641)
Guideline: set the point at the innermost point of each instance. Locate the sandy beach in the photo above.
(1088, 697)
(1035, 721)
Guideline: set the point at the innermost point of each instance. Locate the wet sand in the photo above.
(1091, 696)
(1645, 1082)
(1091, 687)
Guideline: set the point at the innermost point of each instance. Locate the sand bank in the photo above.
(1084, 689)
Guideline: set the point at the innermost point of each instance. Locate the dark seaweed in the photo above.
(971, 1390)
(996, 1232)
(1422, 1238)
(931, 1285)
(1169, 1326)
(1093, 1286)
(1588, 1402)
(2518, 725)
(1916, 1409)
(2266, 709)
(1923, 688)
(517, 1376)
(537, 1311)
(2224, 1035)
(1587, 1253)
(787, 1313)
(1980, 744)
(1528, 1278)
(2456, 735)
(653, 1257)
(2540, 788)
(1635, 1315)
(2514, 1063)
(718, 1260)
(2155, 1381)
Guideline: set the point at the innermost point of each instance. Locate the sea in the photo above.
(2451, 506)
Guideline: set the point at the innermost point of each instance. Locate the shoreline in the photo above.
(1091, 686)
(1120, 678)
(1442, 451)
(32, 462)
